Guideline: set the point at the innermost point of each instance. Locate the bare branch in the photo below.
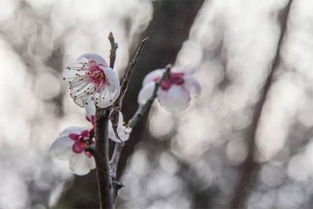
(129, 71)
(114, 116)
(114, 47)
(142, 109)
(102, 159)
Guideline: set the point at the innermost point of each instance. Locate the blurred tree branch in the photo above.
(249, 166)
(168, 30)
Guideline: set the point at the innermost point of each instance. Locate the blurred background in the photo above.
(246, 142)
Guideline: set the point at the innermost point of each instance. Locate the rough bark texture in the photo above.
(102, 159)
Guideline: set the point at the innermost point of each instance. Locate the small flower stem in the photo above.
(102, 159)
(142, 109)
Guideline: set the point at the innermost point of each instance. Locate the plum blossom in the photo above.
(91, 79)
(70, 145)
(175, 91)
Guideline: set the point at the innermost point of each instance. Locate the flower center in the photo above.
(97, 75)
(172, 79)
(81, 141)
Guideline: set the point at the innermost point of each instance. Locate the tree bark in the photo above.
(102, 159)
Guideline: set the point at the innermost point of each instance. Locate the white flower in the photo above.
(122, 131)
(175, 91)
(90, 78)
(70, 145)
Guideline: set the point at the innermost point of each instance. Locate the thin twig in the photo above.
(117, 106)
(133, 122)
(142, 108)
(249, 166)
(129, 71)
(114, 47)
(102, 159)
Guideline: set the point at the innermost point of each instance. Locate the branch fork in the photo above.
(108, 183)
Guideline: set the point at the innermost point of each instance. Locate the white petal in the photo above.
(192, 85)
(120, 119)
(90, 109)
(186, 70)
(110, 91)
(74, 73)
(150, 77)
(72, 130)
(80, 164)
(92, 56)
(104, 98)
(81, 88)
(113, 80)
(175, 99)
(145, 93)
(83, 100)
(62, 148)
(123, 131)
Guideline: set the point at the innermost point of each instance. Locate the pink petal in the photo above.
(77, 148)
(85, 133)
(74, 137)
(175, 99)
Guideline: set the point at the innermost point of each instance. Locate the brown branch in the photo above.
(142, 108)
(129, 71)
(117, 106)
(114, 47)
(102, 159)
(249, 166)
(133, 122)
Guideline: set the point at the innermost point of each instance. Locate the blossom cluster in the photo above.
(93, 84)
